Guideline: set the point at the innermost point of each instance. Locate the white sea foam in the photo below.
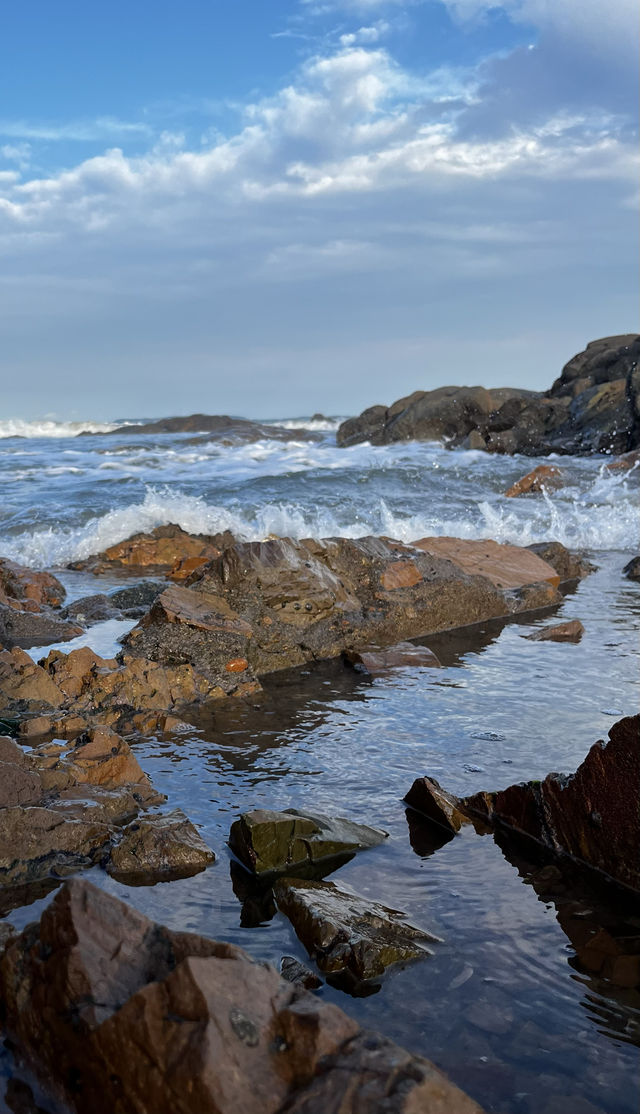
(17, 427)
(578, 521)
(103, 638)
(317, 425)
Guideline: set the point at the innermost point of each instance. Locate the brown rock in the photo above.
(571, 631)
(159, 847)
(506, 566)
(25, 685)
(632, 569)
(35, 842)
(381, 662)
(100, 757)
(23, 627)
(161, 551)
(267, 841)
(429, 798)
(23, 584)
(624, 463)
(591, 815)
(568, 565)
(545, 477)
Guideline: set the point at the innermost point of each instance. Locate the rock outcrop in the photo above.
(119, 1015)
(347, 934)
(165, 551)
(593, 407)
(27, 602)
(268, 842)
(218, 427)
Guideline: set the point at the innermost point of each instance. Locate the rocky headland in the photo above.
(592, 407)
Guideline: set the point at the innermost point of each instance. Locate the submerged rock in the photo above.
(268, 842)
(293, 970)
(346, 933)
(380, 662)
(122, 1016)
(545, 477)
(571, 631)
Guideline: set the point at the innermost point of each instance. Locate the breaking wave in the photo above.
(17, 427)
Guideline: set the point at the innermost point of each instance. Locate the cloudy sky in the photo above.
(274, 207)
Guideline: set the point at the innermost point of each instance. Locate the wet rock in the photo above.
(571, 631)
(24, 585)
(36, 842)
(218, 426)
(29, 628)
(123, 1016)
(136, 596)
(346, 933)
(294, 971)
(505, 566)
(625, 463)
(267, 841)
(568, 565)
(632, 569)
(591, 815)
(428, 797)
(157, 552)
(92, 609)
(159, 847)
(545, 477)
(442, 414)
(381, 662)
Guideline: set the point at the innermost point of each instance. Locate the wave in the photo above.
(17, 427)
(578, 523)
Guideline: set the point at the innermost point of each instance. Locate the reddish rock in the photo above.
(122, 1016)
(505, 566)
(380, 662)
(24, 585)
(428, 797)
(624, 463)
(571, 631)
(591, 815)
(161, 551)
(543, 478)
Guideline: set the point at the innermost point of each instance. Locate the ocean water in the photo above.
(503, 1005)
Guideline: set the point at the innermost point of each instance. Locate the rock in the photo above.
(137, 596)
(505, 566)
(625, 463)
(217, 426)
(346, 933)
(632, 569)
(428, 797)
(278, 604)
(157, 552)
(294, 971)
(23, 585)
(545, 477)
(569, 566)
(591, 815)
(571, 631)
(268, 842)
(122, 1016)
(92, 609)
(25, 686)
(28, 628)
(381, 662)
(593, 407)
(159, 847)
(36, 842)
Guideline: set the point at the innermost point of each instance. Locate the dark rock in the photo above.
(218, 426)
(632, 569)
(571, 631)
(294, 971)
(345, 932)
(122, 1016)
(159, 847)
(428, 797)
(28, 628)
(381, 662)
(92, 609)
(141, 595)
(267, 841)
(568, 565)
(591, 815)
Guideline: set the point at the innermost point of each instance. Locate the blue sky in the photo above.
(272, 207)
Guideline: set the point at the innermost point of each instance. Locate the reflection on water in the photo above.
(514, 1004)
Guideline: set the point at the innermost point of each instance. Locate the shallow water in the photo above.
(499, 1005)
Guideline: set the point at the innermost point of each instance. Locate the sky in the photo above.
(278, 207)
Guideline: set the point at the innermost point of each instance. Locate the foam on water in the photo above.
(578, 521)
(17, 427)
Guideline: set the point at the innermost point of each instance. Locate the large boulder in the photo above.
(348, 934)
(122, 1016)
(266, 841)
(594, 406)
(280, 603)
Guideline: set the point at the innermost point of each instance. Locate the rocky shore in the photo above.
(110, 1011)
(592, 407)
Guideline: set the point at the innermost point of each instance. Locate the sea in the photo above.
(505, 1004)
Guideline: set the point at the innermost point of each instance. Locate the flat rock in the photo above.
(591, 815)
(36, 842)
(267, 841)
(122, 1016)
(381, 662)
(505, 566)
(158, 847)
(28, 628)
(571, 631)
(428, 797)
(346, 933)
(545, 477)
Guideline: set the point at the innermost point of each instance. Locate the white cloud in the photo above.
(613, 26)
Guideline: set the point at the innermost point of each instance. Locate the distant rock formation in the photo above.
(593, 407)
